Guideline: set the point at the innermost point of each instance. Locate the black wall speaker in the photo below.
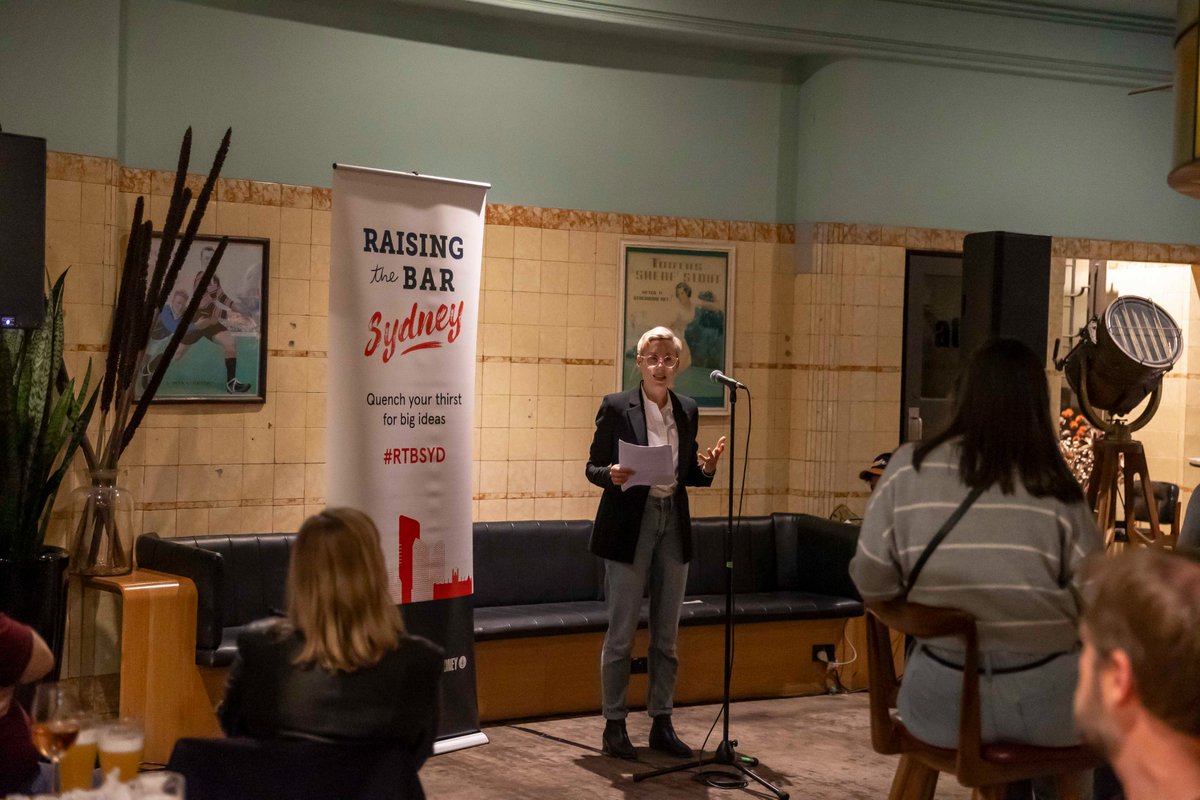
(1006, 289)
(22, 230)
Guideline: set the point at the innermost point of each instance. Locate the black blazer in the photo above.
(395, 700)
(619, 518)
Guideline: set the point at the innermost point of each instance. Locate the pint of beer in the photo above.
(121, 745)
(79, 761)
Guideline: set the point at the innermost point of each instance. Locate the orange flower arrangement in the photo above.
(1076, 442)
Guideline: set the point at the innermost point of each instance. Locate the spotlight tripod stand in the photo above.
(1117, 454)
(725, 753)
(1114, 456)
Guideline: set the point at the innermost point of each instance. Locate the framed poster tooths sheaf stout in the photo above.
(690, 291)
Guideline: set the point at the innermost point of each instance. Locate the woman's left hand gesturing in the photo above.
(711, 455)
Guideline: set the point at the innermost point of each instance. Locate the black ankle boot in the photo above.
(663, 739)
(616, 740)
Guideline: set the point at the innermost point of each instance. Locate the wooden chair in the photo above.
(1166, 498)
(987, 768)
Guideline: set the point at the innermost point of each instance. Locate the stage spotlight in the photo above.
(1121, 358)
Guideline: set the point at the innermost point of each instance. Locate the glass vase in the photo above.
(101, 526)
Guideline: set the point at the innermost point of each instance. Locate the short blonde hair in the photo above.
(337, 592)
(656, 334)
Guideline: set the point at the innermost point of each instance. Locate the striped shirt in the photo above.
(1012, 561)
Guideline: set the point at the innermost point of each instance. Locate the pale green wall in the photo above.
(898, 144)
(58, 72)
(300, 97)
(560, 120)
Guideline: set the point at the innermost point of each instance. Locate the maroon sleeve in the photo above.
(16, 647)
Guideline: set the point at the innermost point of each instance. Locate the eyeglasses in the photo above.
(653, 360)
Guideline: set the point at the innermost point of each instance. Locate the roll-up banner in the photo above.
(405, 263)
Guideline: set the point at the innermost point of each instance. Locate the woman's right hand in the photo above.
(619, 474)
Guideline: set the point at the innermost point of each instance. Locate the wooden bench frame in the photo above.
(551, 675)
(162, 685)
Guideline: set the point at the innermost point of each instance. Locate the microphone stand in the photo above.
(725, 754)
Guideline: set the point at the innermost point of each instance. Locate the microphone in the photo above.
(716, 376)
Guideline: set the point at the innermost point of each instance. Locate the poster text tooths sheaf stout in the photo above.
(421, 327)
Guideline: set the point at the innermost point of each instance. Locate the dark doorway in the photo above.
(933, 305)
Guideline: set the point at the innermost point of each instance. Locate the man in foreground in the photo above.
(1138, 699)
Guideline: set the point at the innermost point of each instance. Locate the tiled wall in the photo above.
(848, 297)
(547, 352)
(818, 328)
(202, 468)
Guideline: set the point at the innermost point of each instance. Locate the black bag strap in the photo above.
(939, 536)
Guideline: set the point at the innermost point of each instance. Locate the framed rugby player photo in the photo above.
(223, 356)
(690, 291)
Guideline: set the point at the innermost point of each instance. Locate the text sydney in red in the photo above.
(418, 331)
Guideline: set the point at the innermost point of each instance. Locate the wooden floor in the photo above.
(814, 748)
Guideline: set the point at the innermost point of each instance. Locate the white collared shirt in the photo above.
(660, 430)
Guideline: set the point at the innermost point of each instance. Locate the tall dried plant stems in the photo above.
(193, 227)
(169, 353)
(142, 293)
(185, 244)
(176, 210)
(141, 296)
(120, 321)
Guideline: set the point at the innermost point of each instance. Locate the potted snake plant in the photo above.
(43, 420)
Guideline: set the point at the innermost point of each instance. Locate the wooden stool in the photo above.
(987, 768)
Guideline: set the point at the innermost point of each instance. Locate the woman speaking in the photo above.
(644, 533)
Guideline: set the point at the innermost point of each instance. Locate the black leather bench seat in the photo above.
(590, 616)
(540, 619)
(537, 578)
(768, 607)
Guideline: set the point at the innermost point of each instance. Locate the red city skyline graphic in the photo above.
(422, 568)
(455, 588)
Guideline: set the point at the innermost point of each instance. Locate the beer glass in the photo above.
(79, 762)
(55, 723)
(121, 744)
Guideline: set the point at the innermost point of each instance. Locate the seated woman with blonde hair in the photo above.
(339, 667)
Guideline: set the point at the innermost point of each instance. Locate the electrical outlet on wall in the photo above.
(829, 651)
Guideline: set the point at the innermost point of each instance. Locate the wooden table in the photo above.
(160, 682)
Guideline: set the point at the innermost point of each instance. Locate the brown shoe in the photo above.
(664, 740)
(616, 740)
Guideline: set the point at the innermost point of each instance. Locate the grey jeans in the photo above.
(659, 558)
(1033, 706)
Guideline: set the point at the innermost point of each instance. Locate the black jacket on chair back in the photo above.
(394, 701)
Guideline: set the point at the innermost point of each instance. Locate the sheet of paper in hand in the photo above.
(651, 465)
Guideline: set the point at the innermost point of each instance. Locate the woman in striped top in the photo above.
(1012, 561)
